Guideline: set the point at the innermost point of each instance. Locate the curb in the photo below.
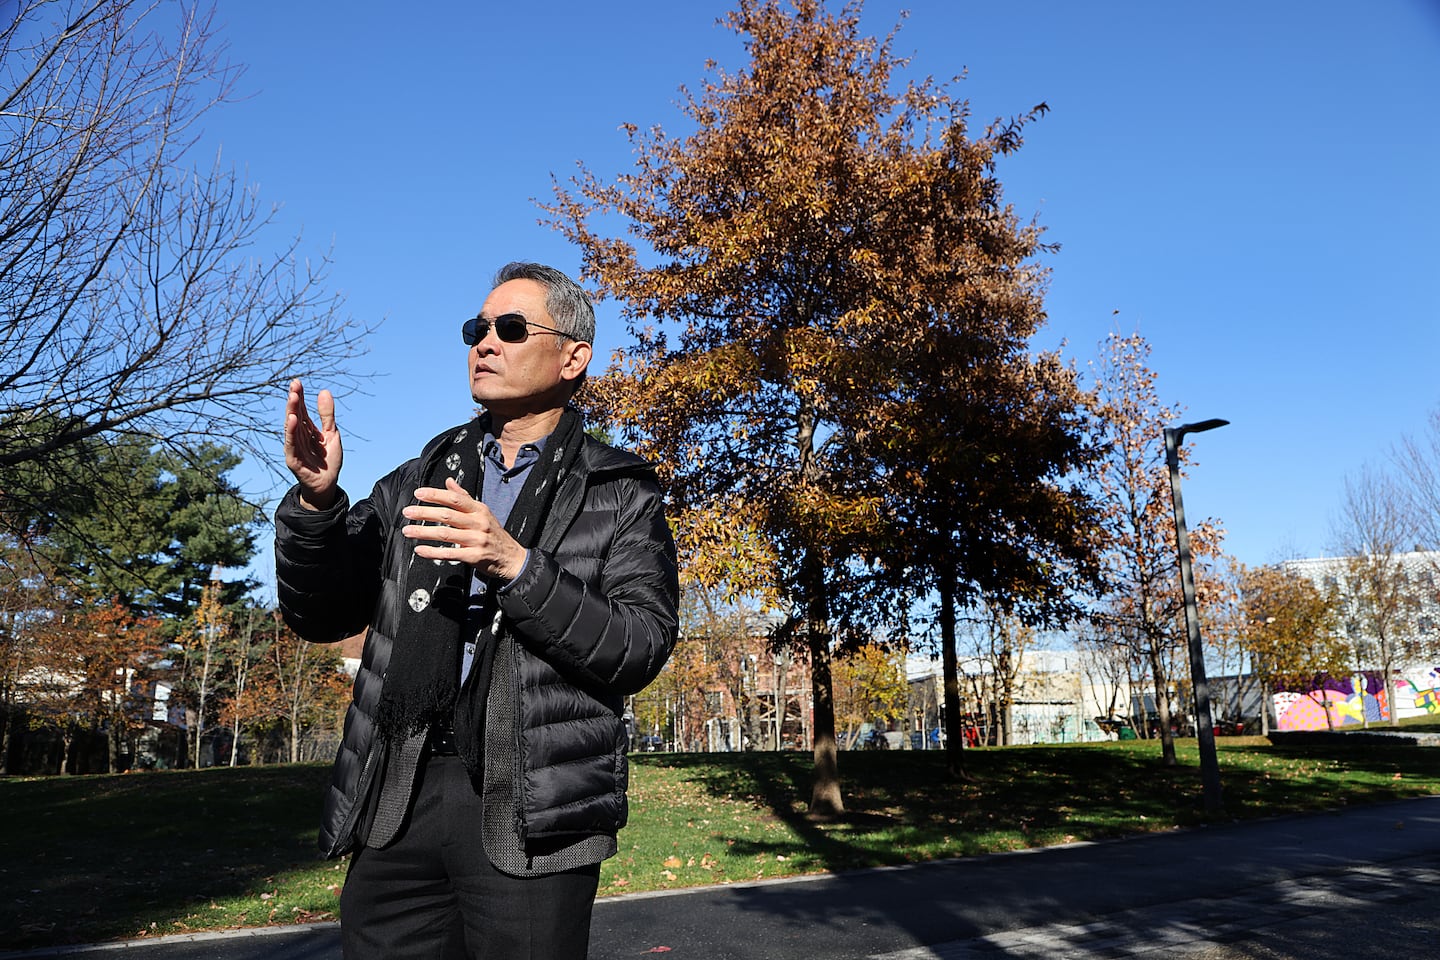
(202, 937)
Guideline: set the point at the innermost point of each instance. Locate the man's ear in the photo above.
(577, 359)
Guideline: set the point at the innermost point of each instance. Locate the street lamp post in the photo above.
(1204, 726)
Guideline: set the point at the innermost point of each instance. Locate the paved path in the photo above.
(1357, 883)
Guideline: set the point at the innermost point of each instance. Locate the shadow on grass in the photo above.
(168, 843)
(904, 807)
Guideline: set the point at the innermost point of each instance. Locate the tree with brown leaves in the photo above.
(1144, 604)
(1291, 631)
(89, 671)
(821, 267)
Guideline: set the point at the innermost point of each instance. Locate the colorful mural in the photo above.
(1356, 699)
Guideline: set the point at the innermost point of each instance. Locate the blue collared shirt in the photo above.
(499, 492)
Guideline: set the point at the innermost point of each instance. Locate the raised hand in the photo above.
(313, 454)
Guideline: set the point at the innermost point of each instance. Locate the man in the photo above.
(516, 581)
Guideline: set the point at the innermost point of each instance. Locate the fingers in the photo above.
(453, 496)
(294, 409)
(452, 507)
(450, 524)
(300, 429)
(325, 403)
(298, 425)
(444, 531)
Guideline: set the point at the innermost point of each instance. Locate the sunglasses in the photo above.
(509, 327)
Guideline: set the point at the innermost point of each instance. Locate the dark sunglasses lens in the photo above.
(510, 328)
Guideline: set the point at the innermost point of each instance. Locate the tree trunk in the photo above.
(204, 695)
(825, 798)
(954, 731)
(751, 731)
(1391, 703)
(1005, 695)
(1324, 703)
(7, 723)
(1265, 697)
(1162, 707)
(782, 702)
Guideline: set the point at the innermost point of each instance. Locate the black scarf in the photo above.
(422, 682)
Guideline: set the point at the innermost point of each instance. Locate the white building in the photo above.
(1361, 697)
(1056, 697)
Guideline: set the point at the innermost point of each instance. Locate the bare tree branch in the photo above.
(136, 293)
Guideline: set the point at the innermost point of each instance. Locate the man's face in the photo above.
(535, 375)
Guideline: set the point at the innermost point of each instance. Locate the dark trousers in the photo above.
(433, 894)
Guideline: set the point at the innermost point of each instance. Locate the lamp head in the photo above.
(1200, 427)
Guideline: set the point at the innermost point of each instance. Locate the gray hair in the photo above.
(565, 300)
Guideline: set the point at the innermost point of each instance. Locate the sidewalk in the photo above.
(1359, 882)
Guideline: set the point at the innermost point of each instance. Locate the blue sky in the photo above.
(1251, 185)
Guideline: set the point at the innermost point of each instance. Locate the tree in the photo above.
(1290, 629)
(118, 653)
(983, 447)
(1374, 532)
(245, 656)
(870, 686)
(153, 530)
(1001, 643)
(27, 595)
(1227, 652)
(1106, 664)
(87, 672)
(208, 631)
(52, 684)
(1418, 460)
(311, 685)
(717, 638)
(818, 237)
(137, 296)
(1133, 485)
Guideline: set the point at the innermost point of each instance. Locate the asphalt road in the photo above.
(1357, 883)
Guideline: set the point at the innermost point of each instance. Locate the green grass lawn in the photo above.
(91, 858)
